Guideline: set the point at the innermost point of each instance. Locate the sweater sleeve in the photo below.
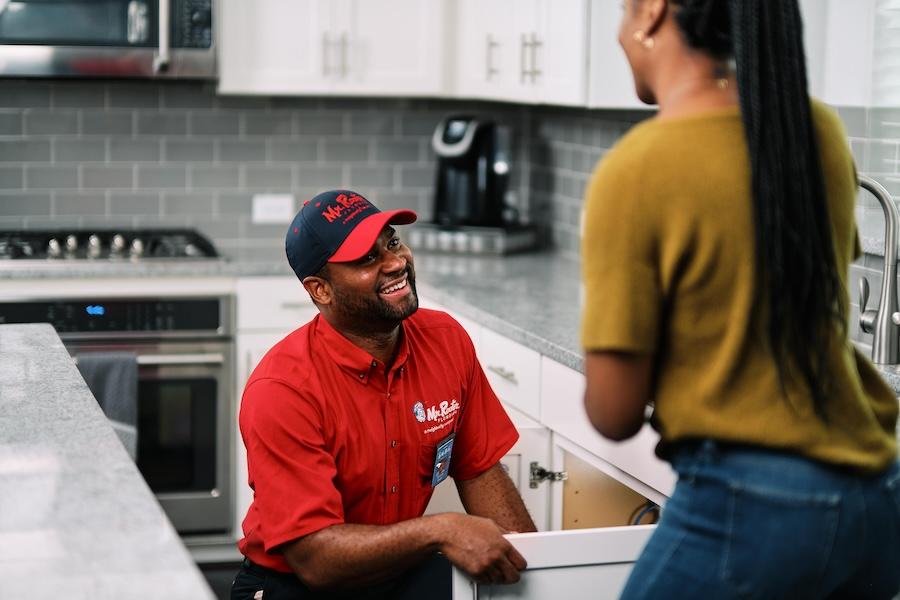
(622, 291)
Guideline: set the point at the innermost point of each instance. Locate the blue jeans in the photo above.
(753, 523)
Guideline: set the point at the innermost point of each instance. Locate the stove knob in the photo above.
(95, 246)
(54, 249)
(117, 245)
(71, 244)
(192, 251)
(137, 248)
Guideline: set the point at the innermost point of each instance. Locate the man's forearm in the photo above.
(351, 556)
(493, 495)
(346, 557)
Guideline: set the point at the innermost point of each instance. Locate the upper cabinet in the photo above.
(349, 47)
(852, 51)
(529, 51)
(612, 85)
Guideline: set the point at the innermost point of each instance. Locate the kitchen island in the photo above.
(77, 521)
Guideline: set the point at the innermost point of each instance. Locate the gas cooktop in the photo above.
(100, 245)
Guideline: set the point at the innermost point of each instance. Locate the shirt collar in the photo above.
(351, 357)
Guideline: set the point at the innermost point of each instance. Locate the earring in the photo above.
(641, 38)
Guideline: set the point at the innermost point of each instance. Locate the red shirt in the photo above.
(332, 438)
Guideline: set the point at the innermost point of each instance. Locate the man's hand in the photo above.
(477, 546)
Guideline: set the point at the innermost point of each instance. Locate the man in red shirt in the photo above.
(351, 420)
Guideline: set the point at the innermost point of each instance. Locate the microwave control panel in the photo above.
(192, 23)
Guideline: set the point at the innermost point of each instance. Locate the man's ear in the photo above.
(319, 289)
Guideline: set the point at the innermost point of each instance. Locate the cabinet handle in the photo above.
(326, 45)
(535, 43)
(510, 376)
(294, 305)
(162, 58)
(344, 47)
(523, 58)
(491, 44)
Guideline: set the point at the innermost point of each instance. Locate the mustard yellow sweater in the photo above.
(668, 266)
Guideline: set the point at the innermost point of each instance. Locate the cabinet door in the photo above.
(582, 564)
(489, 48)
(513, 371)
(251, 347)
(273, 47)
(632, 462)
(273, 304)
(558, 52)
(611, 82)
(391, 47)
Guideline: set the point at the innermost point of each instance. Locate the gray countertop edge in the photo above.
(77, 519)
(533, 299)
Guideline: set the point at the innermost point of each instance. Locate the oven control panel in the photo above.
(119, 315)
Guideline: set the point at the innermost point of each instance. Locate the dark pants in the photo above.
(429, 580)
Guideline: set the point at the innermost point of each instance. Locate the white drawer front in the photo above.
(562, 410)
(275, 303)
(471, 327)
(513, 370)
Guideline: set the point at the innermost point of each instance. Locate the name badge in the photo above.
(442, 460)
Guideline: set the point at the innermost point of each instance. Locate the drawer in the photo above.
(513, 370)
(272, 303)
(471, 327)
(562, 410)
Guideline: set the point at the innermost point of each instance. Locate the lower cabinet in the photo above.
(268, 308)
(598, 527)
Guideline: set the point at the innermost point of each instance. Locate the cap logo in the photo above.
(344, 203)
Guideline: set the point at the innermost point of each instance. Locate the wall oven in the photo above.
(185, 406)
(107, 38)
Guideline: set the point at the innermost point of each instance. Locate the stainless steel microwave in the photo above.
(107, 38)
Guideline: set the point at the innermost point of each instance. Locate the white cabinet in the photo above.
(531, 51)
(611, 82)
(847, 61)
(586, 564)
(632, 462)
(592, 544)
(513, 370)
(371, 47)
(268, 308)
(273, 46)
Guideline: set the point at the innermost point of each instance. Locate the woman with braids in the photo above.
(718, 236)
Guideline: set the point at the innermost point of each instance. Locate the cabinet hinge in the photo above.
(539, 474)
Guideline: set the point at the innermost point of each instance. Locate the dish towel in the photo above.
(112, 377)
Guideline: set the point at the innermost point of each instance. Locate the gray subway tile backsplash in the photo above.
(141, 152)
(116, 122)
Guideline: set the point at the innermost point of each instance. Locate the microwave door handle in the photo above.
(157, 360)
(162, 58)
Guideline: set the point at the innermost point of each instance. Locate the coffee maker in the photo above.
(473, 161)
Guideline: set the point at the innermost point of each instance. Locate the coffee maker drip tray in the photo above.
(481, 241)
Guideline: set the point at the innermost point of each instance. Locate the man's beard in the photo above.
(374, 313)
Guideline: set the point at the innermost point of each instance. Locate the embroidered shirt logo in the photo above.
(443, 411)
(419, 411)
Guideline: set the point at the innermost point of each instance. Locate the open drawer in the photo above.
(576, 564)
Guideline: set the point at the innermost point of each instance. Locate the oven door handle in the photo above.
(153, 360)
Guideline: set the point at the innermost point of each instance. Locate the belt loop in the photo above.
(710, 451)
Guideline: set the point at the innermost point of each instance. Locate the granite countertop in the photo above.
(77, 520)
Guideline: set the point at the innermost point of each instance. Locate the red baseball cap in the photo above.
(336, 226)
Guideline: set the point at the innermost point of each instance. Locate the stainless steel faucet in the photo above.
(884, 321)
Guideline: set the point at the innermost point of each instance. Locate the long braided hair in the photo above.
(796, 273)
